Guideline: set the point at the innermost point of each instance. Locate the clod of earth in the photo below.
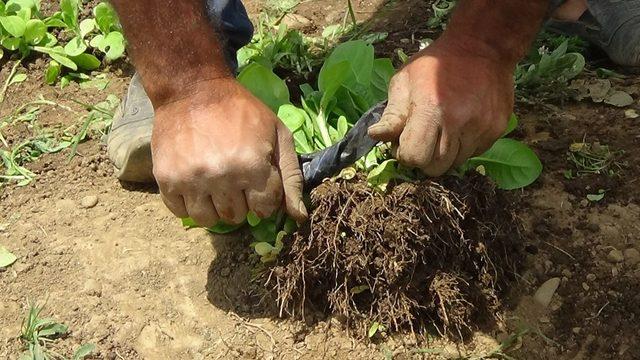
(432, 253)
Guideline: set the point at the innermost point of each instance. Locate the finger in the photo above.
(445, 153)
(266, 197)
(468, 149)
(231, 205)
(175, 204)
(291, 176)
(395, 114)
(419, 138)
(201, 210)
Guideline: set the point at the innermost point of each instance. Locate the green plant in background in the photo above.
(547, 73)
(442, 9)
(23, 30)
(37, 333)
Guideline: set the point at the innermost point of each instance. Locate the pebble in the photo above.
(631, 257)
(88, 202)
(576, 330)
(295, 21)
(545, 292)
(615, 256)
(585, 286)
(92, 288)
(591, 277)
(566, 273)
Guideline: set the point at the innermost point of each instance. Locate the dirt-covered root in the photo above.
(430, 253)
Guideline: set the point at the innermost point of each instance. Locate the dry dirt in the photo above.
(125, 275)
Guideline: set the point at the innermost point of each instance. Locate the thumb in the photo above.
(291, 174)
(392, 122)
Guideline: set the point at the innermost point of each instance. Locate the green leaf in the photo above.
(6, 258)
(342, 127)
(380, 175)
(52, 73)
(373, 329)
(14, 25)
(263, 248)
(252, 218)
(75, 47)
(86, 61)
(106, 17)
(292, 116)
(510, 163)
(332, 81)
(87, 26)
(83, 351)
(18, 78)
(69, 10)
(512, 124)
(359, 57)
(35, 31)
(54, 329)
(11, 43)
(57, 53)
(265, 85)
(113, 45)
(596, 197)
(383, 71)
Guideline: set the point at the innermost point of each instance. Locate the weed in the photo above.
(593, 158)
(37, 333)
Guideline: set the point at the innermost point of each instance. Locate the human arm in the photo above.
(453, 99)
(217, 150)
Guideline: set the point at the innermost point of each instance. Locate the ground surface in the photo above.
(125, 276)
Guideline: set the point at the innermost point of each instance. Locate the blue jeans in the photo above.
(233, 23)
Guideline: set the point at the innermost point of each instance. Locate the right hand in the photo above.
(219, 152)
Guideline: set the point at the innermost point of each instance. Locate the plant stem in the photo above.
(324, 132)
(8, 81)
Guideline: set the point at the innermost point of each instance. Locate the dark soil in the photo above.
(434, 253)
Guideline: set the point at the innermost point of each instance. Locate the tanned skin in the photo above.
(453, 99)
(219, 152)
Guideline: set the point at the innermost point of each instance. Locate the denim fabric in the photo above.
(234, 23)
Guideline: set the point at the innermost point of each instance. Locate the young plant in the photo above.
(38, 332)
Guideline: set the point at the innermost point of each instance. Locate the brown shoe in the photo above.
(129, 142)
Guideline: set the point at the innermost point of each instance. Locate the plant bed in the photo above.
(427, 253)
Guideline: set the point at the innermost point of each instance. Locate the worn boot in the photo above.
(612, 25)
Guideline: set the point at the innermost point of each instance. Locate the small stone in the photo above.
(631, 114)
(93, 288)
(405, 40)
(576, 330)
(615, 256)
(567, 273)
(295, 21)
(88, 202)
(631, 257)
(591, 277)
(585, 286)
(545, 292)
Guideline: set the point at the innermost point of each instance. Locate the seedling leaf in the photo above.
(510, 163)
(265, 85)
(6, 257)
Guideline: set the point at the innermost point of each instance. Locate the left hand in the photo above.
(445, 106)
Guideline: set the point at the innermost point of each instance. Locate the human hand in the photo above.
(219, 152)
(445, 106)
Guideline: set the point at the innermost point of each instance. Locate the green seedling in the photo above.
(37, 333)
(23, 30)
(7, 258)
(547, 73)
(442, 9)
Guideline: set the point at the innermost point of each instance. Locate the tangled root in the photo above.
(433, 253)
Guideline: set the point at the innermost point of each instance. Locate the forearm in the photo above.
(172, 43)
(502, 29)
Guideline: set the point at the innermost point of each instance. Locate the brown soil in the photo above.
(422, 255)
(125, 276)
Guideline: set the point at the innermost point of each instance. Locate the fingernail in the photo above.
(303, 209)
(379, 127)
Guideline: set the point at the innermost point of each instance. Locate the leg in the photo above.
(128, 144)
(612, 25)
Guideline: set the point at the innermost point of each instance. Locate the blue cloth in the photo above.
(233, 22)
